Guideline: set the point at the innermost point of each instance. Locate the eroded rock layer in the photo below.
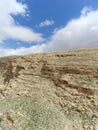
(50, 91)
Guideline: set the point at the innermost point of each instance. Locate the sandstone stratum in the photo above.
(50, 91)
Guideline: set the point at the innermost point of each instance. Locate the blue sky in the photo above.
(34, 26)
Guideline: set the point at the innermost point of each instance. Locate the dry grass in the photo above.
(51, 91)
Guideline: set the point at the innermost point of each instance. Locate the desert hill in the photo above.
(50, 91)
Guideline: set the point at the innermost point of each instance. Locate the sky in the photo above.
(36, 26)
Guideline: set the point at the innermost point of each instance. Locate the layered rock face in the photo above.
(50, 91)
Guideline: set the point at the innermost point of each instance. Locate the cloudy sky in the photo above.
(35, 26)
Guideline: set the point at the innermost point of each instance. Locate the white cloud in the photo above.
(21, 33)
(86, 10)
(46, 23)
(21, 50)
(8, 27)
(78, 33)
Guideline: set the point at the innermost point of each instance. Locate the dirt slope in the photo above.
(50, 91)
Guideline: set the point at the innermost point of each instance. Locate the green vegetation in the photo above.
(34, 116)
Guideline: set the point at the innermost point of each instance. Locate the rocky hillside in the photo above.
(50, 91)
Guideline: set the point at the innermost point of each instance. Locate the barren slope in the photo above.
(51, 91)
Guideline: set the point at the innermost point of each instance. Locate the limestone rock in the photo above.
(49, 91)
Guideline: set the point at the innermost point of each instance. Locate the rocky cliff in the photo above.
(50, 91)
